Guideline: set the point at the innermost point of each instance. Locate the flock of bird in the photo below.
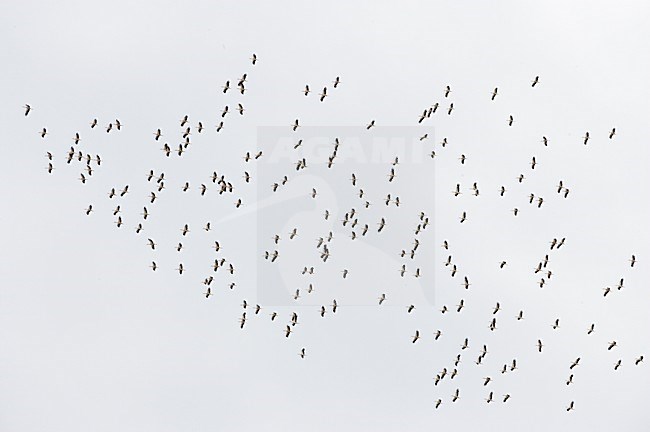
(354, 220)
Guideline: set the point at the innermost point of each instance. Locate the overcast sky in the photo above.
(92, 339)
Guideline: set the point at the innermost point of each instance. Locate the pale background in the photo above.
(91, 339)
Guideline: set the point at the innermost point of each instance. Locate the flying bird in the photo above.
(556, 324)
(611, 345)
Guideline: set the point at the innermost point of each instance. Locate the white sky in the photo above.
(92, 339)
